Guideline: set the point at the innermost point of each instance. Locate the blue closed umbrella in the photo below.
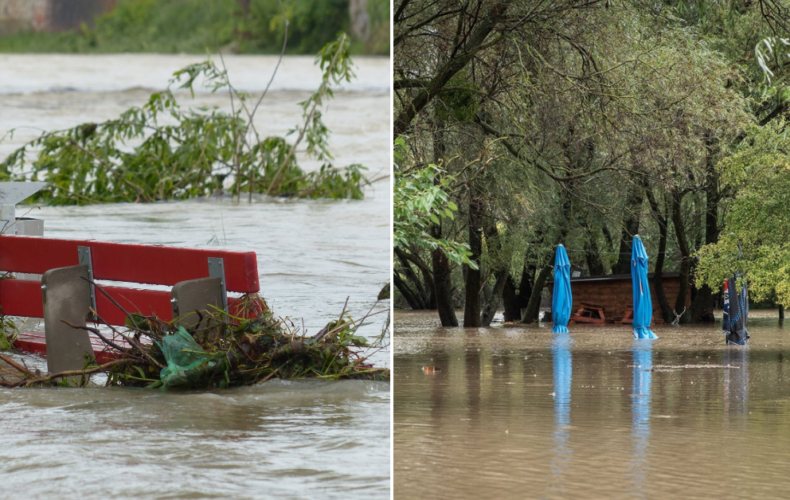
(643, 303)
(562, 299)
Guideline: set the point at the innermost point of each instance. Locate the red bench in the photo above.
(152, 265)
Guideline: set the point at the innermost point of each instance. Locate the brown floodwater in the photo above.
(519, 412)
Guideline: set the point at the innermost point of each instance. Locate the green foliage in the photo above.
(8, 332)
(161, 151)
(198, 26)
(758, 217)
(458, 101)
(595, 122)
(420, 199)
(312, 23)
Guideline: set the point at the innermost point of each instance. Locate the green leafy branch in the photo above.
(161, 151)
(420, 199)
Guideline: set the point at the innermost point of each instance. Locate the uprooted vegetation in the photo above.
(161, 151)
(219, 351)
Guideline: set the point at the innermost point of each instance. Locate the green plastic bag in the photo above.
(185, 359)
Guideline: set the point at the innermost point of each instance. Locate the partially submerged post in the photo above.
(67, 299)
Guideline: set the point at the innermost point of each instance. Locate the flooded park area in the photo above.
(515, 411)
(287, 439)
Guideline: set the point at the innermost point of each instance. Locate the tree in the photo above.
(577, 123)
(757, 219)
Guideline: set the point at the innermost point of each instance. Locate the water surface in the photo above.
(519, 412)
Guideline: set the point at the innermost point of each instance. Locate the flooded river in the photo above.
(301, 439)
(519, 412)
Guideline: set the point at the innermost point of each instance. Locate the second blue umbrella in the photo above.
(643, 303)
(561, 300)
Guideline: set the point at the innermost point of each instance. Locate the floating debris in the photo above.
(219, 351)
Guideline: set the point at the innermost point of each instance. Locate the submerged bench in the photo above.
(64, 293)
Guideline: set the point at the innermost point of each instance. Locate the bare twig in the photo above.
(73, 373)
(16, 365)
(131, 341)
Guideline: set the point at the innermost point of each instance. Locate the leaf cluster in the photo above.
(164, 151)
(420, 199)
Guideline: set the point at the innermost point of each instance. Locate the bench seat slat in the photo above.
(23, 298)
(36, 343)
(153, 265)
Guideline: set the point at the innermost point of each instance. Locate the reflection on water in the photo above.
(640, 408)
(736, 383)
(563, 373)
(516, 412)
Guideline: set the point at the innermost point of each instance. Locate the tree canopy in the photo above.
(582, 123)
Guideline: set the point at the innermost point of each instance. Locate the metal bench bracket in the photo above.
(216, 269)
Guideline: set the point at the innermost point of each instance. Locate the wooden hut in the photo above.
(605, 299)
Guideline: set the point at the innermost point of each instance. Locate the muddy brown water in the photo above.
(300, 439)
(519, 412)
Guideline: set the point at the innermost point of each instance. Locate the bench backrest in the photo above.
(153, 265)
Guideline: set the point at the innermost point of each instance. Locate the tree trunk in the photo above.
(493, 295)
(658, 272)
(630, 228)
(442, 272)
(488, 291)
(658, 279)
(703, 304)
(509, 292)
(412, 298)
(473, 283)
(685, 263)
(515, 297)
(424, 289)
(533, 308)
(442, 283)
(496, 294)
